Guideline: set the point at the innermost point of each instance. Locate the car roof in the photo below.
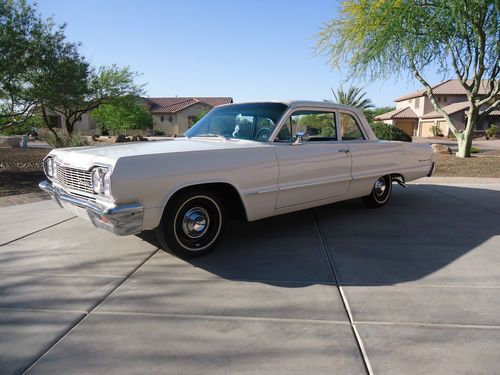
(299, 103)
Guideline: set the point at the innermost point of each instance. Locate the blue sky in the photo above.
(249, 50)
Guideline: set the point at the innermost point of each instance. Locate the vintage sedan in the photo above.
(252, 159)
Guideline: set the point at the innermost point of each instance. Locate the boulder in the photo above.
(121, 138)
(440, 149)
(10, 142)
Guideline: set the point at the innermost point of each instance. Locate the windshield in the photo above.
(254, 121)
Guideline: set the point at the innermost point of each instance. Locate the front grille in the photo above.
(76, 179)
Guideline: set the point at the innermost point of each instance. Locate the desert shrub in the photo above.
(389, 132)
(436, 131)
(474, 150)
(74, 140)
(492, 131)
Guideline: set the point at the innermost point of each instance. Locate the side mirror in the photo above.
(300, 137)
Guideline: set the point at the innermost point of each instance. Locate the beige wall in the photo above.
(425, 105)
(412, 103)
(180, 120)
(86, 125)
(168, 125)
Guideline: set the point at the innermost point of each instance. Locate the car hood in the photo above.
(85, 157)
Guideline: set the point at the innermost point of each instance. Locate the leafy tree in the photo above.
(378, 38)
(82, 89)
(372, 113)
(123, 114)
(200, 115)
(26, 49)
(389, 132)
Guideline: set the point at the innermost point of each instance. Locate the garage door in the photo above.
(426, 128)
(443, 127)
(407, 127)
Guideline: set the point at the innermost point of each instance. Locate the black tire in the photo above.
(380, 193)
(192, 224)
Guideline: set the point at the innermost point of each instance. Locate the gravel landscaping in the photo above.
(21, 170)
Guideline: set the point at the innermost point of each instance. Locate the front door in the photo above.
(316, 168)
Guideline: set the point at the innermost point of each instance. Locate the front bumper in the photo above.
(121, 220)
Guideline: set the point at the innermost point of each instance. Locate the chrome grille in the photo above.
(76, 179)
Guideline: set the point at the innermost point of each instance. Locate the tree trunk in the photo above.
(464, 139)
(47, 123)
(464, 145)
(69, 125)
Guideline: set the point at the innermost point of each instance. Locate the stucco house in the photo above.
(415, 115)
(174, 116)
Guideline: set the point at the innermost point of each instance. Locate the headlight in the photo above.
(101, 181)
(50, 167)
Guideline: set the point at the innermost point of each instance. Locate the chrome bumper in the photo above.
(120, 220)
(432, 169)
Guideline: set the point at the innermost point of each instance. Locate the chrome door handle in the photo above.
(344, 150)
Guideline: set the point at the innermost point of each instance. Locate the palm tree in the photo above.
(353, 97)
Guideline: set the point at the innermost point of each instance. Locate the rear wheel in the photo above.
(380, 193)
(192, 224)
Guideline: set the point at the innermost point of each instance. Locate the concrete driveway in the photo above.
(410, 288)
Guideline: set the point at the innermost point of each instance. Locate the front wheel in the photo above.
(380, 193)
(191, 225)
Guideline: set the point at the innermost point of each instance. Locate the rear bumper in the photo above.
(432, 169)
(121, 220)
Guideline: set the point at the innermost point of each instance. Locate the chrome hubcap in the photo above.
(380, 187)
(195, 222)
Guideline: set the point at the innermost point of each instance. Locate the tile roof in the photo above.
(449, 87)
(449, 109)
(397, 113)
(173, 105)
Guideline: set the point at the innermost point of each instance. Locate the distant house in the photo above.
(415, 115)
(174, 116)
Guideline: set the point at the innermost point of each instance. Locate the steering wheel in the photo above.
(266, 133)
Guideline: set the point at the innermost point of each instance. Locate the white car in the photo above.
(252, 159)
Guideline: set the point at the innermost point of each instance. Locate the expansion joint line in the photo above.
(78, 321)
(345, 303)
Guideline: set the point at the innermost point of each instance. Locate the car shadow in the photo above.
(422, 230)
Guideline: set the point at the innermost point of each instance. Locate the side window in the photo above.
(285, 134)
(318, 126)
(349, 128)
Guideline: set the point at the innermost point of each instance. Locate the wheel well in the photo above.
(397, 176)
(226, 192)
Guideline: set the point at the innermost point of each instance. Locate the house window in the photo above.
(417, 103)
(445, 99)
(162, 118)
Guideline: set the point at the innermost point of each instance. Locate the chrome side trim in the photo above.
(121, 220)
(315, 183)
(273, 190)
